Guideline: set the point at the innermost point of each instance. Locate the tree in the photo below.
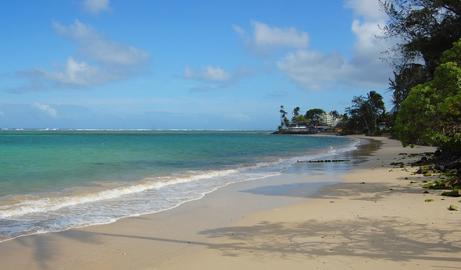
(424, 30)
(335, 114)
(284, 122)
(431, 114)
(405, 78)
(314, 116)
(365, 113)
(295, 115)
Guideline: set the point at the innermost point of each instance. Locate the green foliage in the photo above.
(432, 111)
(426, 28)
(452, 193)
(365, 114)
(284, 122)
(313, 116)
(437, 184)
(406, 77)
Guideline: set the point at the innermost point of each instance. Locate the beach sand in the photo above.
(375, 218)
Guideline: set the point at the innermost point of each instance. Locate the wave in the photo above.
(53, 204)
(151, 195)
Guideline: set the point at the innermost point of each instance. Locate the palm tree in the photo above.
(283, 117)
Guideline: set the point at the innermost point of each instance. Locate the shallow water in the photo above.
(53, 181)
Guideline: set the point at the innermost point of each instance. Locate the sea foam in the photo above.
(149, 195)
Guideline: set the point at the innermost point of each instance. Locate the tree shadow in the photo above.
(353, 191)
(389, 238)
(45, 248)
(302, 190)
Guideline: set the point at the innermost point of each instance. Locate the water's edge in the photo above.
(208, 183)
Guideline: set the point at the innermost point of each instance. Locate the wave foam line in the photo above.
(53, 204)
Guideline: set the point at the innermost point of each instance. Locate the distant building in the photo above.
(329, 120)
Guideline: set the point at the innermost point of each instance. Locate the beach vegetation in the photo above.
(365, 114)
(427, 77)
(437, 184)
(452, 193)
(424, 29)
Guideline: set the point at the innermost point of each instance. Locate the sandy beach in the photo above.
(373, 216)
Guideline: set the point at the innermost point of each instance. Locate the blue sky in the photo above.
(184, 64)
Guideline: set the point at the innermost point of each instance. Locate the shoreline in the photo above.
(242, 174)
(238, 225)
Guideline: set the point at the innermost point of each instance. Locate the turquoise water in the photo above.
(56, 180)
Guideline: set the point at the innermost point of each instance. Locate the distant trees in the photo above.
(314, 116)
(335, 114)
(365, 113)
(297, 118)
(284, 122)
(363, 116)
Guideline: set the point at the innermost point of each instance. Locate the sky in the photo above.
(185, 64)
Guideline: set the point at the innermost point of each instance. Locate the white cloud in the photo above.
(209, 74)
(313, 69)
(99, 48)
(96, 6)
(265, 37)
(365, 68)
(239, 30)
(102, 60)
(77, 74)
(47, 109)
(369, 9)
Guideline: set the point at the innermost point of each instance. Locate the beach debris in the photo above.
(425, 192)
(426, 170)
(428, 200)
(436, 184)
(322, 160)
(362, 183)
(452, 193)
(453, 207)
(397, 164)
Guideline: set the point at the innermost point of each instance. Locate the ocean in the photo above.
(57, 180)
